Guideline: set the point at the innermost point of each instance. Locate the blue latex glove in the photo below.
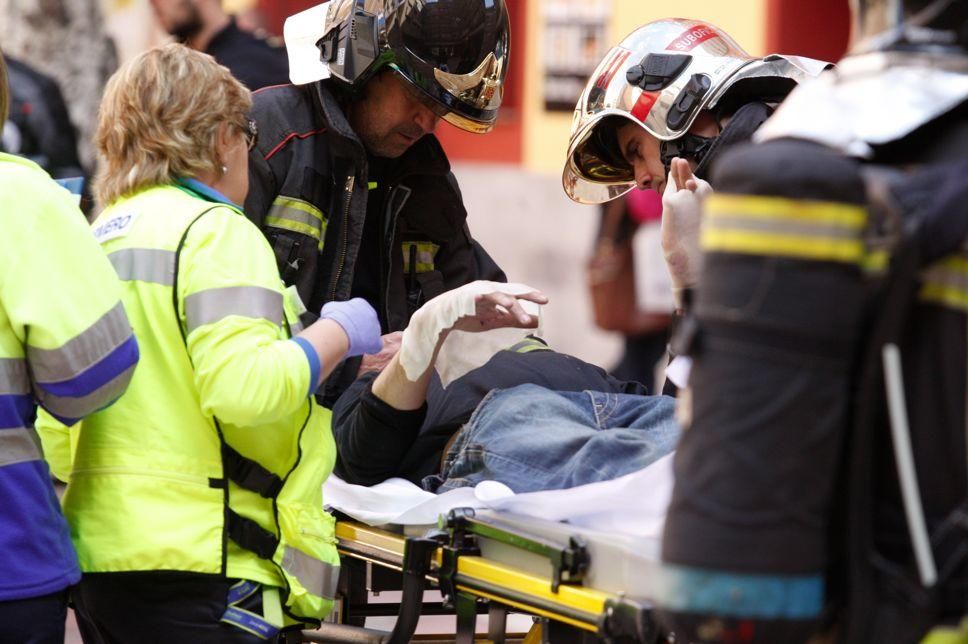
(360, 323)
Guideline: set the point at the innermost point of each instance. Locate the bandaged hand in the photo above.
(360, 323)
(681, 218)
(475, 307)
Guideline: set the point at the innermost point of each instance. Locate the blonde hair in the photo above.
(160, 117)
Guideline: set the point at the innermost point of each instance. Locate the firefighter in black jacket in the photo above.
(347, 180)
(821, 485)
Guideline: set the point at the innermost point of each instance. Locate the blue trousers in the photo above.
(531, 438)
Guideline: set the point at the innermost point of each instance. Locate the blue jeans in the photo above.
(531, 438)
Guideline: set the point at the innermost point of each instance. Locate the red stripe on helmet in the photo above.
(606, 77)
(644, 105)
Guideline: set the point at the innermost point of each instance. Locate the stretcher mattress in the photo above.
(619, 522)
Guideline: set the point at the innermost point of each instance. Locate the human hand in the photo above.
(360, 323)
(681, 219)
(498, 310)
(378, 361)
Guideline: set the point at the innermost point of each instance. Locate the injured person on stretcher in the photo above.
(471, 396)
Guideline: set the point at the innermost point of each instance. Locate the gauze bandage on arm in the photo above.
(461, 351)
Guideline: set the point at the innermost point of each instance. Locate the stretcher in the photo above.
(580, 584)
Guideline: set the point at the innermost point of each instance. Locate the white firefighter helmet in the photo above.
(661, 77)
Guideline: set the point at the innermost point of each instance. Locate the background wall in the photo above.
(546, 133)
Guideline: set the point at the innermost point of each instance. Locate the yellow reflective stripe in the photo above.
(298, 216)
(773, 244)
(946, 283)
(775, 226)
(426, 253)
(783, 209)
(528, 345)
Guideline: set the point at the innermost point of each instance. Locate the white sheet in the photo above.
(634, 504)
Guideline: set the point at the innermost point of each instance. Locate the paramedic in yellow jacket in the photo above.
(195, 502)
(66, 344)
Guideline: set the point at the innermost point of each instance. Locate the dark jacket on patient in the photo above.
(376, 442)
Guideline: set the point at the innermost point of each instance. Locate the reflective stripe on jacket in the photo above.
(148, 487)
(65, 342)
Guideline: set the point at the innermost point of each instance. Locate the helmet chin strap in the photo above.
(688, 146)
(704, 150)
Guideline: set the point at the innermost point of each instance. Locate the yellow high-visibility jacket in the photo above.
(66, 344)
(152, 486)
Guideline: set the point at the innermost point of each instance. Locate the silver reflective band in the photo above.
(78, 407)
(144, 265)
(18, 445)
(13, 377)
(83, 351)
(318, 577)
(206, 307)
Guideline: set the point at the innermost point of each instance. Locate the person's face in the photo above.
(180, 18)
(641, 150)
(391, 117)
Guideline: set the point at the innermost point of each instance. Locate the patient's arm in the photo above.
(377, 420)
(493, 311)
(372, 437)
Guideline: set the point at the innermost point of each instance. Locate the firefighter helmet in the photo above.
(661, 77)
(454, 53)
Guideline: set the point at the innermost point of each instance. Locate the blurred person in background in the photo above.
(194, 501)
(822, 483)
(68, 41)
(65, 344)
(348, 181)
(629, 295)
(38, 126)
(204, 25)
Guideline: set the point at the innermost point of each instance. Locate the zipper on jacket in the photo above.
(391, 216)
(344, 235)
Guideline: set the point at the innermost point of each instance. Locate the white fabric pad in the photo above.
(634, 504)
(461, 352)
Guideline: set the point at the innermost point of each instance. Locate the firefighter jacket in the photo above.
(308, 189)
(820, 270)
(66, 344)
(214, 461)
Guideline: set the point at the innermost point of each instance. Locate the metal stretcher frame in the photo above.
(450, 560)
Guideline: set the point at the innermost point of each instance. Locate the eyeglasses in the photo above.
(251, 133)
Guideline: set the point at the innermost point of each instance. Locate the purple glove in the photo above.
(360, 323)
